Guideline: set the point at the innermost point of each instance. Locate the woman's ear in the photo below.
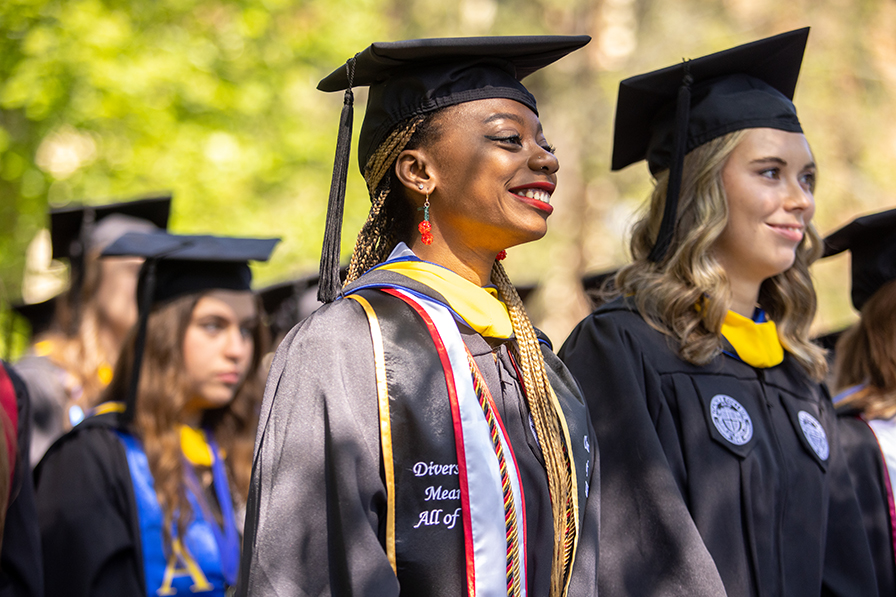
(415, 170)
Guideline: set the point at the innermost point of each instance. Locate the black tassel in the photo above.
(77, 267)
(144, 305)
(670, 211)
(330, 283)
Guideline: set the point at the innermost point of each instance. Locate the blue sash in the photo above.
(205, 562)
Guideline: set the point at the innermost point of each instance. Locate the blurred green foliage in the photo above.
(215, 101)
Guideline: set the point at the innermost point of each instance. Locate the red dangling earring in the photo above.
(501, 256)
(425, 227)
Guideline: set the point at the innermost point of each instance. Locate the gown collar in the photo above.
(479, 307)
(753, 341)
(195, 446)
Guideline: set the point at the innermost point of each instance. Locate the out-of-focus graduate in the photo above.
(80, 333)
(146, 496)
(865, 381)
(21, 569)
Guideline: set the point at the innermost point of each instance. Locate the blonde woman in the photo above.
(417, 437)
(721, 472)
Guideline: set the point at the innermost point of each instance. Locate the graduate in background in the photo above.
(68, 367)
(721, 472)
(865, 379)
(417, 437)
(21, 570)
(145, 496)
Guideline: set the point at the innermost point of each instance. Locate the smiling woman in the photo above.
(738, 485)
(418, 436)
(769, 181)
(489, 175)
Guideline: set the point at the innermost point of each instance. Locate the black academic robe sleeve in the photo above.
(21, 569)
(867, 470)
(649, 544)
(87, 516)
(313, 515)
(848, 558)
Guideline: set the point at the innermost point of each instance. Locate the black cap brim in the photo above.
(525, 53)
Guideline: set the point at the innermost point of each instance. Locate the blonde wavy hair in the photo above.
(672, 294)
(866, 354)
(391, 219)
(161, 398)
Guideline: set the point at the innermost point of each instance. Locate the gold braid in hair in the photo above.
(375, 241)
(547, 426)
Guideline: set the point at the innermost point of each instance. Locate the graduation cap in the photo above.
(415, 77)
(662, 115)
(871, 240)
(75, 230)
(176, 265)
(72, 227)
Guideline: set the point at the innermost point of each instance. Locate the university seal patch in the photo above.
(815, 434)
(731, 419)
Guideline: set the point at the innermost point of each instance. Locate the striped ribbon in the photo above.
(514, 587)
(483, 484)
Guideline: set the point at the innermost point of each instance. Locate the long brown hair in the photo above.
(866, 354)
(161, 398)
(671, 295)
(391, 220)
(73, 343)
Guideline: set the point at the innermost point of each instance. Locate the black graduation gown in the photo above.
(867, 470)
(21, 572)
(88, 517)
(316, 512)
(687, 512)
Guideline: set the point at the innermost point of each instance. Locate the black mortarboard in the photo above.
(71, 227)
(415, 77)
(77, 229)
(663, 115)
(871, 240)
(176, 265)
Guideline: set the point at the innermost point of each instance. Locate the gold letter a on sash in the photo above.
(180, 555)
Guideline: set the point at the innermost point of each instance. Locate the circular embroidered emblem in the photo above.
(731, 419)
(815, 434)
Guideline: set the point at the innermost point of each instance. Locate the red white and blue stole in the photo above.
(885, 432)
(430, 447)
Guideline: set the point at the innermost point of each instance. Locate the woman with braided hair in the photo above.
(418, 436)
